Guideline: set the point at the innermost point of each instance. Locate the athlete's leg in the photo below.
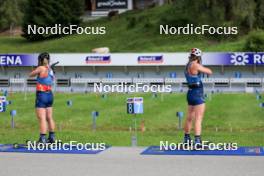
(188, 124)
(41, 115)
(188, 121)
(199, 113)
(49, 117)
(51, 124)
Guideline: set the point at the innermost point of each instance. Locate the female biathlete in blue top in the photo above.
(195, 95)
(44, 98)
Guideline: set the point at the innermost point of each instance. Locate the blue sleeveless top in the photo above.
(48, 80)
(193, 81)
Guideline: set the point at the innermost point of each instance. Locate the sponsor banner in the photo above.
(253, 150)
(150, 59)
(238, 58)
(111, 4)
(98, 59)
(135, 59)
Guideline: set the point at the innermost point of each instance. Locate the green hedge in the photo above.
(255, 42)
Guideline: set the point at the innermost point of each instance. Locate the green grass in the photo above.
(239, 111)
(120, 37)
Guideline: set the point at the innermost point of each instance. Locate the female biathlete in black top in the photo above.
(195, 95)
(44, 98)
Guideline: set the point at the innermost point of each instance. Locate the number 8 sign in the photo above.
(135, 105)
(2, 103)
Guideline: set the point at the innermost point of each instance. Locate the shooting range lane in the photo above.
(127, 161)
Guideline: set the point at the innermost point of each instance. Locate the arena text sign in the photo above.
(10, 60)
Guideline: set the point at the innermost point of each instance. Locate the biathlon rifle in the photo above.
(53, 66)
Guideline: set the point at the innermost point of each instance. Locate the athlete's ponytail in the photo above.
(41, 58)
(193, 57)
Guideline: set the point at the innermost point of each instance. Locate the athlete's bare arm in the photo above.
(204, 69)
(36, 71)
(195, 68)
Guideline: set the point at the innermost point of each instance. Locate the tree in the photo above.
(245, 14)
(50, 12)
(259, 13)
(11, 14)
(243, 11)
